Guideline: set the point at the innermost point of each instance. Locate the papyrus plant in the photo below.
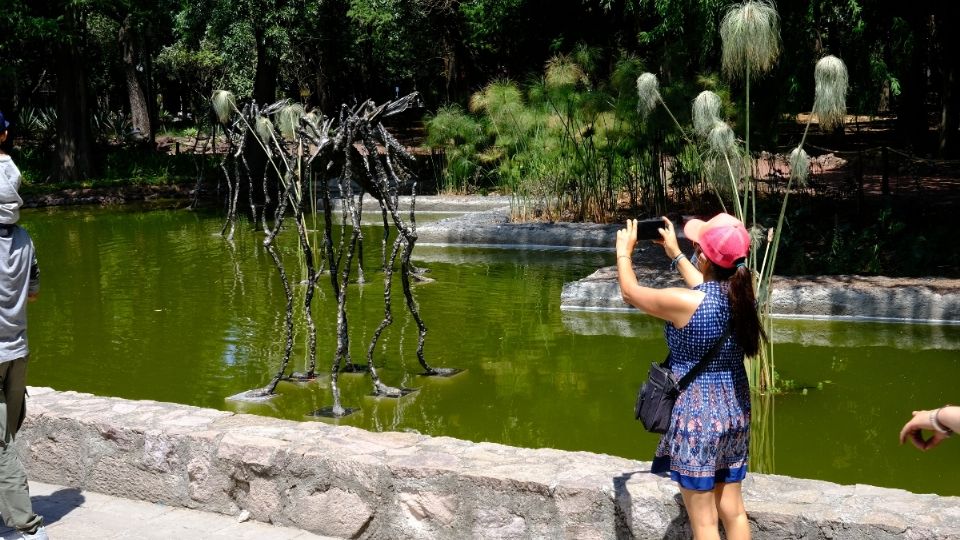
(648, 92)
(829, 105)
(750, 33)
(706, 112)
(223, 105)
(751, 39)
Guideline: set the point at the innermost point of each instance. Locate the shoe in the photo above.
(40, 534)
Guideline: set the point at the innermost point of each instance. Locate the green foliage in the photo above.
(179, 61)
(113, 127)
(860, 250)
(179, 132)
(818, 239)
(120, 166)
(219, 43)
(564, 146)
(571, 131)
(387, 35)
(463, 139)
(234, 46)
(485, 21)
(37, 124)
(146, 168)
(683, 31)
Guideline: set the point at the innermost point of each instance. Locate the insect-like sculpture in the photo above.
(314, 156)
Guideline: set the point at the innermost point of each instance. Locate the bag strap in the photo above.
(692, 374)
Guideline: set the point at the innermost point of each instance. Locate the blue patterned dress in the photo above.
(709, 435)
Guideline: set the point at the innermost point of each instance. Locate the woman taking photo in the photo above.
(705, 448)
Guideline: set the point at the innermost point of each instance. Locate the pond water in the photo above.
(156, 305)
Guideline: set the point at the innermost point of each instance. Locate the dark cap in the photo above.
(3, 123)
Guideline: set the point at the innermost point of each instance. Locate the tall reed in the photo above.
(750, 33)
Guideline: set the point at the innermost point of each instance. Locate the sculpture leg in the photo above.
(415, 271)
(358, 213)
(343, 340)
(229, 221)
(412, 305)
(253, 207)
(235, 195)
(288, 349)
(386, 238)
(307, 304)
(379, 388)
(337, 410)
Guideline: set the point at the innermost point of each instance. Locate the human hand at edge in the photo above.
(913, 429)
(627, 239)
(668, 239)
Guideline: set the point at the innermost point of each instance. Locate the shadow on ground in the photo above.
(53, 507)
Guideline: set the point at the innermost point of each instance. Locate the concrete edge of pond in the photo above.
(450, 204)
(346, 482)
(840, 298)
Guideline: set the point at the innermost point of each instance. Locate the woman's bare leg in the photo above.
(702, 511)
(729, 501)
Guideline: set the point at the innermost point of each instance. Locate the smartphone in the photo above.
(648, 229)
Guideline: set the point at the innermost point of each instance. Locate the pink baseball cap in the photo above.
(724, 240)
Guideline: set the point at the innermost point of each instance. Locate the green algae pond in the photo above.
(155, 305)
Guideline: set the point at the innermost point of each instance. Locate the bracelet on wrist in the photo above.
(937, 426)
(676, 260)
(625, 257)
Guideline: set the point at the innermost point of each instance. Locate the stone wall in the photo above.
(350, 483)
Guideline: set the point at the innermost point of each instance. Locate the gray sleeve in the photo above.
(34, 276)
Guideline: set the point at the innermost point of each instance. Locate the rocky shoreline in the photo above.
(105, 196)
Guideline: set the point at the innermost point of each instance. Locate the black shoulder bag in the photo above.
(658, 395)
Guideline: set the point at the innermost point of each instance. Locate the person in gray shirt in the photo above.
(19, 283)
(10, 200)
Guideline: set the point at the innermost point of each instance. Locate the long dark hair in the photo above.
(743, 305)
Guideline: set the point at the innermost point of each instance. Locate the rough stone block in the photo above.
(334, 512)
(411, 486)
(432, 507)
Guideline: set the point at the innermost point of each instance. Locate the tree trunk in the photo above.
(265, 79)
(332, 86)
(949, 39)
(911, 110)
(950, 116)
(139, 110)
(264, 93)
(73, 127)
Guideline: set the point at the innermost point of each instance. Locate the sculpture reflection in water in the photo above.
(303, 155)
